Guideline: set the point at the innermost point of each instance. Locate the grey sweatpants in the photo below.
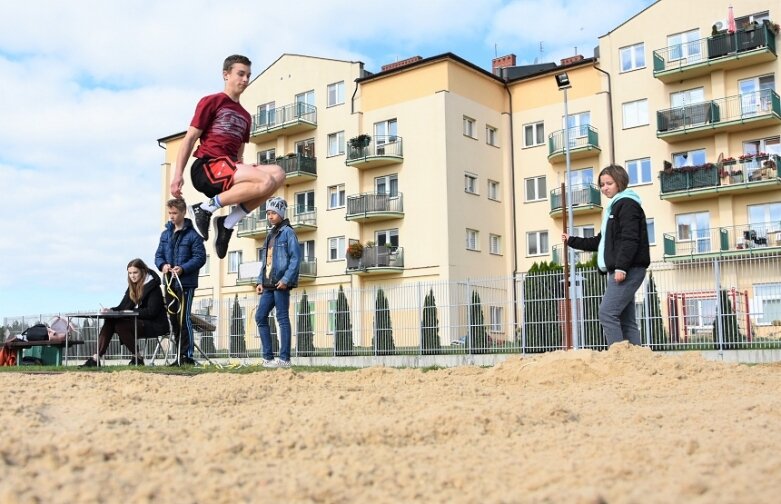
(617, 310)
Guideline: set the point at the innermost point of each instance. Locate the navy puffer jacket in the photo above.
(182, 248)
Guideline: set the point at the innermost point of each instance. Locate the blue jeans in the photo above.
(617, 309)
(269, 299)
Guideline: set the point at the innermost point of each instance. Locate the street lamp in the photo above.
(562, 81)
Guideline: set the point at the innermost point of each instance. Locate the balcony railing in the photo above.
(584, 196)
(297, 167)
(381, 150)
(293, 117)
(743, 239)
(380, 258)
(249, 271)
(698, 57)
(254, 225)
(754, 174)
(583, 142)
(374, 206)
(581, 256)
(747, 110)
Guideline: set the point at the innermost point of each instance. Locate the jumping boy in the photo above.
(223, 127)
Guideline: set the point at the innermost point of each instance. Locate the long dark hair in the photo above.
(136, 290)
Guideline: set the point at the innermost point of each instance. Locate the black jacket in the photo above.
(626, 237)
(150, 310)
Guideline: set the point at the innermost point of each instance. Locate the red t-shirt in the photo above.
(225, 125)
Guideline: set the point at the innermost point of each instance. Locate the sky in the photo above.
(88, 86)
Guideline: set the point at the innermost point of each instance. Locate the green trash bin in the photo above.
(49, 355)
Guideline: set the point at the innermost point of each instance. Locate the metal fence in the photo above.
(715, 303)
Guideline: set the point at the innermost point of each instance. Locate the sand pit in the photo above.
(626, 425)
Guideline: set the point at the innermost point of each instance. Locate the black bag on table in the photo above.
(38, 332)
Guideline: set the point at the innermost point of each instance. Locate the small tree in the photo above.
(343, 325)
(542, 289)
(237, 346)
(383, 331)
(429, 330)
(305, 335)
(478, 334)
(658, 337)
(207, 337)
(728, 321)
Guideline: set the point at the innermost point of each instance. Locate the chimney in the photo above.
(502, 62)
(399, 64)
(571, 60)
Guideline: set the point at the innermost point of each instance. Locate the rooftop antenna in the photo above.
(496, 50)
(542, 53)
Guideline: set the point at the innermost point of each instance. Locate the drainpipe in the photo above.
(610, 116)
(512, 205)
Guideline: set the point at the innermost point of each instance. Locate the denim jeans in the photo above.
(617, 309)
(271, 298)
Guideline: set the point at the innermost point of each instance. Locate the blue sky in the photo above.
(88, 86)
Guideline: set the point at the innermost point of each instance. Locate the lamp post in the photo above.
(562, 81)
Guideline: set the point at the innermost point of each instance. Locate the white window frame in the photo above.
(473, 240)
(234, 260)
(496, 319)
(535, 238)
(495, 244)
(336, 144)
(491, 135)
(535, 131)
(470, 183)
(770, 291)
(688, 46)
(635, 113)
(650, 225)
(698, 224)
(335, 94)
(493, 190)
(336, 248)
(336, 197)
(391, 183)
(689, 158)
(268, 156)
(541, 194)
(268, 110)
(636, 57)
(204, 271)
(469, 127)
(641, 168)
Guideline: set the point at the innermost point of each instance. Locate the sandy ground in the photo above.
(626, 425)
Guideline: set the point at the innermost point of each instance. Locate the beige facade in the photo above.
(464, 168)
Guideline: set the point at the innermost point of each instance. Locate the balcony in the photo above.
(302, 218)
(707, 181)
(748, 239)
(583, 142)
(721, 52)
(586, 199)
(374, 207)
(249, 272)
(380, 259)
(382, 150)
(288, 120)
(581, 256)
(733, 113)
(253, 225)
(297, 168)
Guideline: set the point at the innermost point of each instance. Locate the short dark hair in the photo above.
(233, 59)
(177, 203)
(617, 173)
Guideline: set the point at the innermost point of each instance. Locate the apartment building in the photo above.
(443, 171)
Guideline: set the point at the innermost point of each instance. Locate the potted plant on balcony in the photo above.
(355, 250)
(736, 176)
(761, 156)
(727, 161)
(360, 141)
(746, 158)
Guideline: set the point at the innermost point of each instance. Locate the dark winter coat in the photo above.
(183, 248)
(150, 310)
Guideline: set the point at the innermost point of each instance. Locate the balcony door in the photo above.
(684, 46)
(385, 132)
(755, 95)
(689, 158)
(694, 229)
(578, 127)
(307, 250)
(305, 103)
(305, 208)
(306, 148)
(265, 117)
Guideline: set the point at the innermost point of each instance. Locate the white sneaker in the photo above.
(269, 363)
(283, 363)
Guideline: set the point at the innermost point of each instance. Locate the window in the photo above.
(494, 244)
(258, 253)
(265, 117)
(204, 271)
(770, 145)
(700, 312)
(493, 190)
(651, 227)
(234, 259)
(755, 95)
(767, 302)
(336, 248)
(304, 209)
(470, 183)
(766, 219)
(385, 132)
(639, 171)
(741, 23)
(537, 243)
(387, 237)
(632, 57)
(496, 318)
(684, 45)
(389, 184)
(472, 239)
(307, 250)
(336, 196)
(305, 103)
(336, 144)
(490, 135)
(687, 97)
(693, 229)
(689, 158)
(306, 148)
(584, 231)
(267, 156)
(535, 189)
(331, 316)
(635, 113)
(469, 127)
(336, 93)
(533, 134)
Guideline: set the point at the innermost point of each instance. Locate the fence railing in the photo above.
(723, 110)
(721, 303)
(579, 137)
(746, 238)
(378, 146)
(374, 203)
(582, 195)
(295, 164)
(266, 120)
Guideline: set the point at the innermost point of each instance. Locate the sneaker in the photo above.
(283, 364)
(188, 361)
(200, 218)
(223, 237)
(136, 361)
(90, 363)
(269, 363)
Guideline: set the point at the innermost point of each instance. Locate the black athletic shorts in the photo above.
(211, 176)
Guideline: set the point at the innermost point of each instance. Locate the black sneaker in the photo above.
(136, 361)
(200, 218)
(90, 363)
(222, 238)
(188, 361)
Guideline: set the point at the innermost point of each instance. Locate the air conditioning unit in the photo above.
(720, 24)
